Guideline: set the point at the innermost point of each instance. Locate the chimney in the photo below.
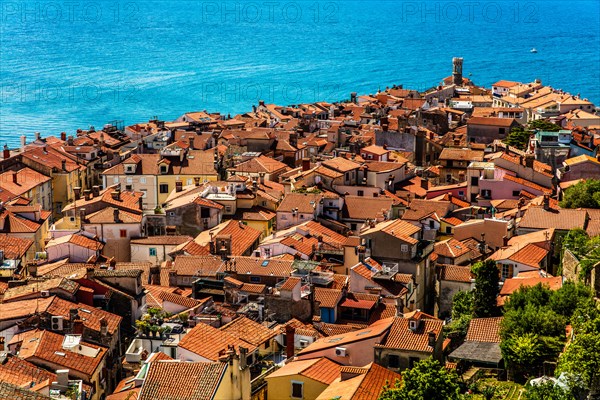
(504, 241)
(261, 103)
(14, 178)
(254, 186)
(87, 194)
(290, 333)
(116, 194)
(62, 378)
(141, 203)
(116, 215)
(178, 186)
(353, 97)
(243, 358)
(431, 339)
(529, 158)
(96, 190)
(64, 165)
(103, 326)
(38, 136)
(77, 192)
(77, 326)
(63, 136)
(449, 196)
(6, 152)
(70, 140)
(305, 164)
(262, 177)
(191, 143)
(89, 272)
(546, 202)
(23, 142)
(424, 183)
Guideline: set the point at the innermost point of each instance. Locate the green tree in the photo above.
(568, 298)
(518, 137)
(487, 278)
(428, 379)
(462, 312)
(585, 194)
(543, 125)
(582, 358)
(586, 249)
(522, 353)
(546, 391)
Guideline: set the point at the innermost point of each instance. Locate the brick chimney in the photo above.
(546, 202)
(87, 194)
(305, 164)
(424, 183)
(96, 190)
(77, 192)
(14, 178)
(116, 215)
(290, 333)
(64, 165)
(63, 136)
(431, 339)
(262, 177)
(6, 152)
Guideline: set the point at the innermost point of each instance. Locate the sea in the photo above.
(73, 64)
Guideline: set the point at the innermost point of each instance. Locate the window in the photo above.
(301, 216)
(142, 180)
(501, 131)
(486, 193)
(412, 361)
(404, 248)
(164, 188)
(353, 227)
(116, 179)
(297, 390)
(361, 193)
(144, 192)
(129, 187)
(163, 169)
(431, 224)
(123, 233)
(474, 181)
(72, 219)
(461, 193)
(448, 230)
(255, 279)
(227, 208)
(347, 175)
(516, 193)
(393, 361)
(152, 252)
(129, 180)
(448, 178)
(505, 271)
(189, 181)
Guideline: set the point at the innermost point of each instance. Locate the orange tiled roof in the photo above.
(14, 247)
(455, 273)
(403, 338)
(249, 331)
(179, 300)
(484, 330)
(208, 342)
(451, 248)
(164, 380)
(263, 267)
(48, 347)
(363, 208)
(328, 298)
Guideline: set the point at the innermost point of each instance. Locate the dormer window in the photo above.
(164, 169)
(129, 168)
(413, 324)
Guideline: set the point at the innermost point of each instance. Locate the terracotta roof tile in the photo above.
(324, 371)
(328, 298)
(484, 330)
(48, 347)
(164, 380)
(14, 247)
(179, 300)
(208, 342)
(403, 338)
(363, 208)
(563, 219)
(249, 331)
(263, 267)
(455, 273)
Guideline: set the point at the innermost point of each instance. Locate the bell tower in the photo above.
(457, 64)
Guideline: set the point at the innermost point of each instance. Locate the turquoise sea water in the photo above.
(71, 64)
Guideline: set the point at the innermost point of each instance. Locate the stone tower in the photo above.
(457, 64)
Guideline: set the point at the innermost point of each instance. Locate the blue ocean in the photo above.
(66, 65)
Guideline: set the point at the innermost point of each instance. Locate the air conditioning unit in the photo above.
(45, 293)
(57, 323)
(340, 352)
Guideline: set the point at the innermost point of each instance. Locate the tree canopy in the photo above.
(428, 379)
(546, 391)
(585, 194)
(487, 278)
(586, 249)
(533, 328)
(519, 137)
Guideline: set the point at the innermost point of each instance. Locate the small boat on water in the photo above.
(534, 50)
